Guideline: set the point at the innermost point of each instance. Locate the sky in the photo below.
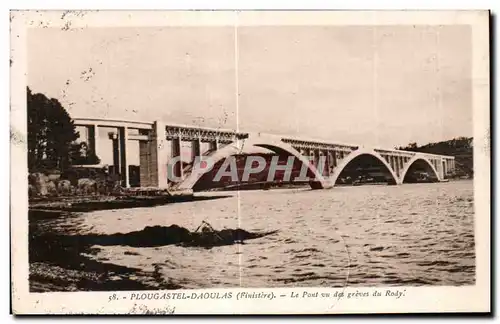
(382, 86)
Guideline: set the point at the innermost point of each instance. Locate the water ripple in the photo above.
(419, 234)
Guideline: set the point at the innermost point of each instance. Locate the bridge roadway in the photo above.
(160, 142)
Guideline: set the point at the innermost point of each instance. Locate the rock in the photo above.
(51, 188)
(87, 186)
(64, 187)
(102, 187)
(39, 182)
(152, 236)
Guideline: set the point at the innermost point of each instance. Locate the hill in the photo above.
(461, 148)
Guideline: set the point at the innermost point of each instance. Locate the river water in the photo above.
(413, 234)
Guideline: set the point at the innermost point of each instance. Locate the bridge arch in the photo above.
(357, 153)
(415, 159)
(276, 146)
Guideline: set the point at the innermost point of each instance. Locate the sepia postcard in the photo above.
(250, 162)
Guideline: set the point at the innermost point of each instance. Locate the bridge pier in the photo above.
(145, 165)
(123, 138)
(334, 160)
(159, 157)
(196, 149)
(321, 164)
(396, 164)
(316, 156)
(94, 138)
(328, 163)
(177, 154)
(450, 166)
(214, 145)
(116, 152)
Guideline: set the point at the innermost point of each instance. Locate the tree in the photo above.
(411, 147)
(51, 133)
(80, 153)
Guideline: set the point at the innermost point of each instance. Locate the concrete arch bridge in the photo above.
(142, 154)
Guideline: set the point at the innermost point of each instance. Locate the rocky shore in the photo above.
(61, 261)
